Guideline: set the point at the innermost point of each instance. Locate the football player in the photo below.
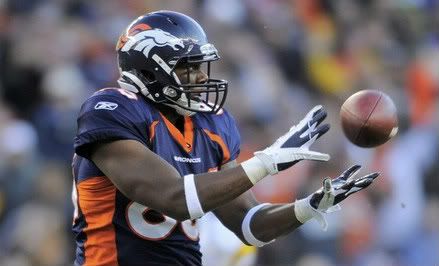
(157, 153)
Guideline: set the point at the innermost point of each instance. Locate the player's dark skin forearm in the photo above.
(215, 189)
(274, 220)
(268, 223)
(147, 179)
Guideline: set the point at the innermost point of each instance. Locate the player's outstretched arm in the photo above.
(264, 222)
(146, 178)
(149, 180)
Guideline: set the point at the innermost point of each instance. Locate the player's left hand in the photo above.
(333, 191)
(336, 190)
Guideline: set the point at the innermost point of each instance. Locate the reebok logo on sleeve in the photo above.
(106, 106)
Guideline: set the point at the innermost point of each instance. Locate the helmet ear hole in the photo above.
(148, 75)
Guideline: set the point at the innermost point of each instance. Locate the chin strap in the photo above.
(127, 86)
(131, 82)
(179, 110)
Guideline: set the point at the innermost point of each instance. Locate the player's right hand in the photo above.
(328, 197)
(294, 145)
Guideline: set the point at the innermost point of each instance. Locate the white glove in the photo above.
(294, 145)
(290, 148)
(328, 197)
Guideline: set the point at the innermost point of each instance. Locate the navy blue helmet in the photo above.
(152, 47)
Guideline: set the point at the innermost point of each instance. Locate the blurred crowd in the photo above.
(281, 57)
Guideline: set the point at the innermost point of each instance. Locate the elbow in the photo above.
(242, 238)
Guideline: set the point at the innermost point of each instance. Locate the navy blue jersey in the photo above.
(111, 229)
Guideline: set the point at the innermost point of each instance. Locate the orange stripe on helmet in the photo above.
(96, 198)
(138, 28)
(131, 32)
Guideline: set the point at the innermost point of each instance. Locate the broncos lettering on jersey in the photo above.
(110, 229)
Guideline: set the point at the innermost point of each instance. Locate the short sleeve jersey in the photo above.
(111, 229)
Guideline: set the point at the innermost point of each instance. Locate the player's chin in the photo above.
(196, 97)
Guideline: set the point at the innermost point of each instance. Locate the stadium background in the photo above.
(281, 58)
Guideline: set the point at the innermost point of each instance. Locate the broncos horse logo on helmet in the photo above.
(146, 40)
(152, 47)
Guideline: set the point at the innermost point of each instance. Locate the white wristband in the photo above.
(246, 230)
(304, 212)
(192, 202)
(255, 169)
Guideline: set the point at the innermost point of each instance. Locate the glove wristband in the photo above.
(254, 169)
(304, 212)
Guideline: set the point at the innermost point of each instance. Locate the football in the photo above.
(369, 118)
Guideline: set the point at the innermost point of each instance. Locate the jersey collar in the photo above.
(187, 138)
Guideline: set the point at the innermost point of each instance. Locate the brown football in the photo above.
(369, 118)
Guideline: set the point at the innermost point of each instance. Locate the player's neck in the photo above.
(176, 119)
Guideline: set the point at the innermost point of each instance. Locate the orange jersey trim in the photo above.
(185, 140)
(219, 140)
(152, 130)
(96, 198)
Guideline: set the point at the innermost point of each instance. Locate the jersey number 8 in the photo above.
(157, 230)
